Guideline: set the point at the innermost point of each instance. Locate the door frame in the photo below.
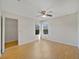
(3, 32)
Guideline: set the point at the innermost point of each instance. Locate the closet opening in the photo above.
(11, 32)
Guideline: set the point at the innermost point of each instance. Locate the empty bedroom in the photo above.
(39, 29)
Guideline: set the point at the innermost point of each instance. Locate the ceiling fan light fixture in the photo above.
(44, 16)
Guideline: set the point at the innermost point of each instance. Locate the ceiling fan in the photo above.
(45, 13)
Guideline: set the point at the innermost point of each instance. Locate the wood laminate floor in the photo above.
(42, 49)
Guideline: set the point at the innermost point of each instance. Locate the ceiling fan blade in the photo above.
(49, 15)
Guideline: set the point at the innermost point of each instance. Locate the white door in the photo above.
(41, 30)
(37, 31)
(44, 30)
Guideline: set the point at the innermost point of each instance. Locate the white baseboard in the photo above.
(26, 42)
(62, 42)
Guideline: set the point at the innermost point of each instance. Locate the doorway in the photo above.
(11, 32)
(44, 29)
(41, 30)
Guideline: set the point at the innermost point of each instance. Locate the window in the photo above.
(37, 29)
(45, 28)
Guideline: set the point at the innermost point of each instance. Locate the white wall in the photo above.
(25, 27)
(26, 30)
(64, 29)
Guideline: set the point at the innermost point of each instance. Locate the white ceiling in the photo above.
(30, 8)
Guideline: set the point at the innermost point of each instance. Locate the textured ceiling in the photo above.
(30, 8)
